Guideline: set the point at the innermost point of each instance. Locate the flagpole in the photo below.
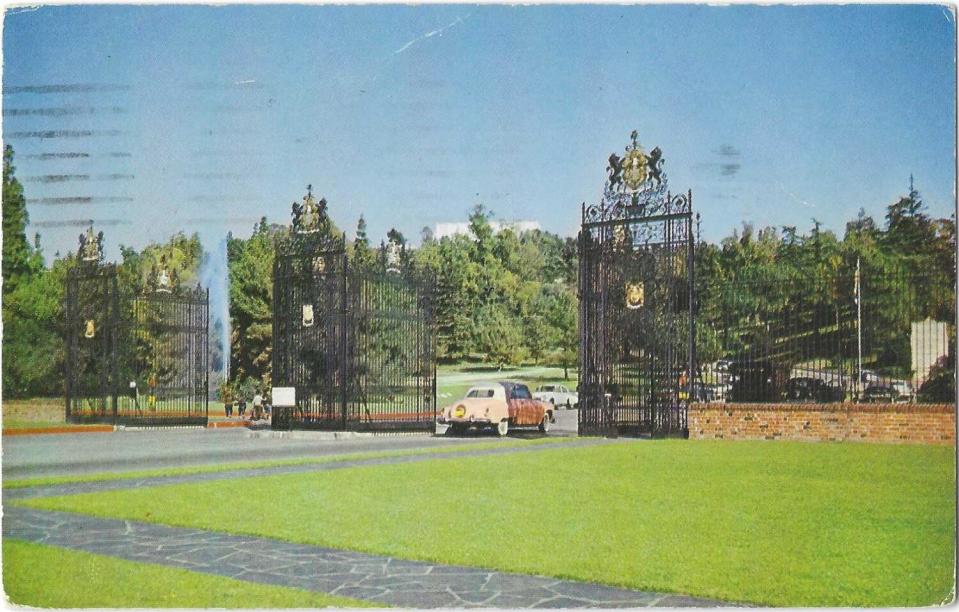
(858, 327)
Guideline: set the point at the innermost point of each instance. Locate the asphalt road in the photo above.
(81, 453)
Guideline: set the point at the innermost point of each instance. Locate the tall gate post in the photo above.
(636, 267)
(90, 366)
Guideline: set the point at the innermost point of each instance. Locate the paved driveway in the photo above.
(63, 454)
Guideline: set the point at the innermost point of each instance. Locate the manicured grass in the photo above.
(248, 465)
(51, 577)
(778, 523)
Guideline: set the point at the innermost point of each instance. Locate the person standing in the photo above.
(257, 405)
(227, 401)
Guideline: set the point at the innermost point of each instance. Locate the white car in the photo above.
(557, 395)
(904, 389)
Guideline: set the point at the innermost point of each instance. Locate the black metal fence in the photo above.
(164, 353)
(866, 337)
(393, 352)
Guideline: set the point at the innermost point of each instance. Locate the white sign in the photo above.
(284, 396)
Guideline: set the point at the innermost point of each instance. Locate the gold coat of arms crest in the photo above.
(635, 167)
(635, 295)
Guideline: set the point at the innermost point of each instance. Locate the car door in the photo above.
(528, 411)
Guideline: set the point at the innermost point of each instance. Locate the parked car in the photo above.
(704, 393)
(557, 395)
(904, 389)
(722, 365)
(806, 389)
(721, 392)
(499, 406)
(755, 380)
(883, 393)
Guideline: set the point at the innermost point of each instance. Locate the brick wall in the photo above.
(890, 423)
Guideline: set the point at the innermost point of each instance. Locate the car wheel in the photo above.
(568, 404)
(544, 426)
(503, 428)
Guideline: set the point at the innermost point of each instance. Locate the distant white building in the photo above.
(929, 343)
(442, 230)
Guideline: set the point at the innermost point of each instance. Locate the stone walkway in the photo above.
(378, 579)
(373, 578)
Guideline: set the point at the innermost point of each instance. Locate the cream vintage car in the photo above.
(500, 406)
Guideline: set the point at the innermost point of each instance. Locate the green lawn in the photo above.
(50, 577)
(249, 465)
(798, 524)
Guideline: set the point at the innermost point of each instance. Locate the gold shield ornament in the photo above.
(307, 315)
(619, 236)
(89, 330)
(635, 295)
(635, 168)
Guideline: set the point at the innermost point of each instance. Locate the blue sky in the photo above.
(206, 118)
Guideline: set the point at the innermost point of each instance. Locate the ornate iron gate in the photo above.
(356, 342)
(393, 352)
(636, 302)
(134, 358)
(309, 329)
(165, 336)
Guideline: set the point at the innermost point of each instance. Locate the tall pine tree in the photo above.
(18, 260)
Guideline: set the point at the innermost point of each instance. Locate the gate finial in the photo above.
(310, 215)
(91, 246)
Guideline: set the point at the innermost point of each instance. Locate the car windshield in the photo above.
(480, 393)
(547, 388)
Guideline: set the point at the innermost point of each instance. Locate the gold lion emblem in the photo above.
(635, 295)
(90, 330)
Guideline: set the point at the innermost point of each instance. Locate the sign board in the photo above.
(284, 396)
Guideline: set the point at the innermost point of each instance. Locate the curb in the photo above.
(226, 424)
(71, 429)
(30, 431)
(308, 435)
